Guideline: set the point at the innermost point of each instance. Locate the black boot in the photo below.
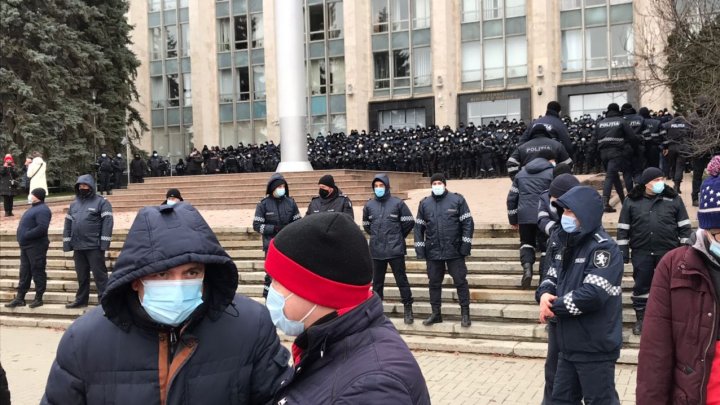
(607, 206)
(637, 328)
(435, 317)
(37, 302)
(16, 302)
(677, 187)
(76, 304)
(465, 317)
(527, 275)
(409, 319)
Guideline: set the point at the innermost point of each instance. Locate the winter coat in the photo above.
(652, 225)
(36, 174)
(226, 352)
(524, 194)
(89, 221)
(613, 137)
(585, 274)
(530, 150)
(336, 202)
(34, 224)
(555, 126)
(548, 219)
(272, 214)
(443, 227)
(138, 168)
(680, 329)
(7, 175)
(105, 165)
(356, 358)
(388, 221)
(677, 134)
(119, 165)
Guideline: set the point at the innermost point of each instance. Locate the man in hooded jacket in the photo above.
(87, 233)
(330, 198)
(171, 329)
(555, 127)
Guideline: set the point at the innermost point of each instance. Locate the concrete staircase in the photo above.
(504, 316)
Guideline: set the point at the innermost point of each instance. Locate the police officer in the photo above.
(105, 173)
(677, 134)
(155, 164)
(119, 167)
(539, 142)
(138, 169)
(443, 237)
(612, 136)
(388, 221)
(652, 222)
(88, 232)
(556, 128)
(583, 292)
(274, 212)
(651, 138)
(635, 156)
(330, 198)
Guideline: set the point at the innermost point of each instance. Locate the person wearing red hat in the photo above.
(8, 184)
(346, 349)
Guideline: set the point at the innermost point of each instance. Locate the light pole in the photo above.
(94, 96)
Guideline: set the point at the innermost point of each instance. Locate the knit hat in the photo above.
(561, 168)
(438, 177)
(562, 183)
(644, 112)
(709, 207)
(650, 174)
(538, 129)
(173, 192)
(613, 107)
(713, 168)
(554, 106)
(327, 180)
(39, 193)
(8, 158)
(323, 258)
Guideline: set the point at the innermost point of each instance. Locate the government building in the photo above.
(209, 68)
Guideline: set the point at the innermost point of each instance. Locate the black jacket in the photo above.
(119, 165)
(356, 358)
(548, 218)
(138, 167)
(677, 134)
(524, 194)
(532, 149)
(652, 225)
(613, 137)
(443, 227)
(554, 125)
(105, 164)
(388, 221)
(336, 202)
(226, 352)
(34, 224)
(585, 274)
(272, 214)
(89, 221)
(7, 175)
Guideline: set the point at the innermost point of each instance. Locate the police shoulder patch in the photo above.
(601, 259)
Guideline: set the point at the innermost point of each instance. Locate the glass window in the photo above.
(596, 16)
(494, 57)
(621, 37)
(335, 20)
(241, 32)
(492, 9)
(516, 54)
(572, 49)
(339, 123)
(621, 14)
(260, 131)
(594, 104)
(319, 124)
(590, 3)
(482, 112)
(318, 81)
(223, 35)
(185, 39)
(470, 10)
(156, 47)
(173, 90)
(571, 19)
(171, 41)
(259, 82)
(422, 66)
(514, 8)
(471, 61)
(227, 134)
(153, 5)
(258, 30)
(317, 22)
(170, 4)
(244, 132)
(337, 75)
(243, 83)
(382, 70)
(570, 4)
(184, 3)
(399, 14)
(157, 92)
(421, 16)
(401, 68)
(379, 15)
(187, 90)
(226, 86)
(596, 48)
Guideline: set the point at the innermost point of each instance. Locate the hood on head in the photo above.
(275, 180)
(538, 165)
(585, 202)
(385, 180)
(539, 131)
(153, 245)
(85, 179)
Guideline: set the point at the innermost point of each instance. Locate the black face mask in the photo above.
(324, 193)
(85, 192)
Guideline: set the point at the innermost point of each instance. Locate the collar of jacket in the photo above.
(384, 197)
(638, 192)
(441, 196)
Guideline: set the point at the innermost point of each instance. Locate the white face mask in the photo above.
(438, 190)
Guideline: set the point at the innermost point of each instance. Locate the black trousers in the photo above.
(643, 271)
(33, 260)
(593, 382)
(613, 167)
(551, 361)
(8, 204)
(137, 179)
(397, 264)
(104, 181)
(675, 168)
(457, 270)
(528, 243)
(87, 261)
(698, 165)
(118, 180)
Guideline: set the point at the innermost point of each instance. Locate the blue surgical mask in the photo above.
(568, 224)
(171, 202)
(276, 306)
(438, 190)
(658, 187)
(379, 192)
(170, 302)
(714, 246)
(279, 192)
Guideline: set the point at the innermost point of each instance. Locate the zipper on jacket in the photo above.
(713, 338)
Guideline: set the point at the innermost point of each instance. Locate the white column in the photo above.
(289, 58)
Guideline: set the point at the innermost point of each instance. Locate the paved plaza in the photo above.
(27, 353)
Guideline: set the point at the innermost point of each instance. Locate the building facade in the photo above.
(208, 73)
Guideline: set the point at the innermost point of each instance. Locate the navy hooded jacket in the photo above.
(388, 221)
(524, 194)
(585, 274)
(89, 221)
(226, 352)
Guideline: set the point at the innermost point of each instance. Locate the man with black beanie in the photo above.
(652, 222)
(32, 236)
(330, 198)
(555, 126)
(444, 241)
(345, 350)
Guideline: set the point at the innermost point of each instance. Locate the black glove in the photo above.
(278, 228)
(626, 259)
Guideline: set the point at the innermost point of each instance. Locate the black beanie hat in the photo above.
(538, 129)
(626, 106)
(554, 106)
(173, 192)
(561, 168)
(323, 258)
(613, 107)
(649, 175)
(644, 112)
(275, 184)
(327, 180)
(39, 193)
(438, 177)
(562, 183)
